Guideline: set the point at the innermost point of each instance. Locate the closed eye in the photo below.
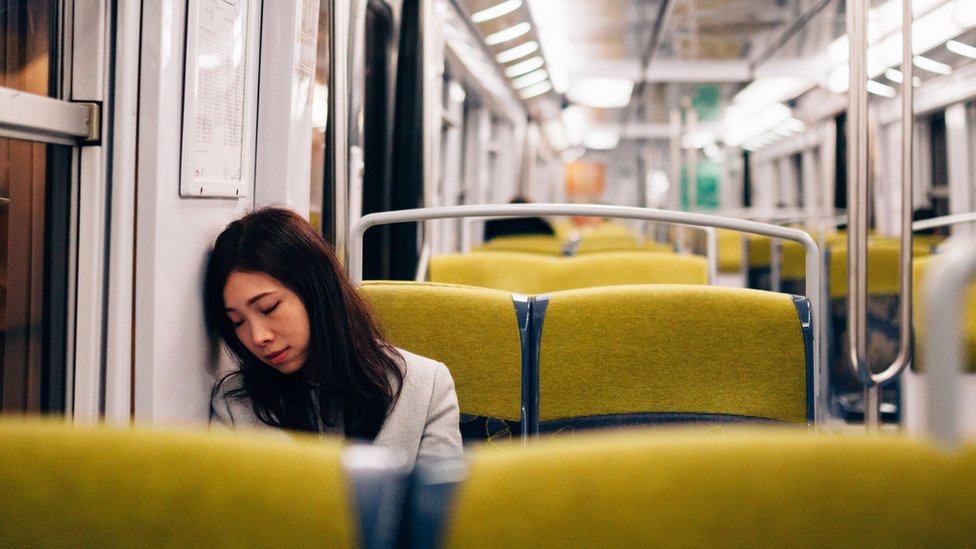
(238, 324)
(270, 309)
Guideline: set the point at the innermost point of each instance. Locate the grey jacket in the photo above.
(423, 422)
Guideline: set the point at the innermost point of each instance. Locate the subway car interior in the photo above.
(702, 271)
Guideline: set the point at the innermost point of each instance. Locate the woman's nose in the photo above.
(260, 333)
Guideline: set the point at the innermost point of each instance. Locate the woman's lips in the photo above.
(277, 357)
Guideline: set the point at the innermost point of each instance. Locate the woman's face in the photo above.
(269, 319)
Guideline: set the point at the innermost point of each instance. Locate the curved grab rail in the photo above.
(944, 351)
(858, 210)
(943, 221)
(813, 257)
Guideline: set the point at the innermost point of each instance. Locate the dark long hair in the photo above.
(355, 370)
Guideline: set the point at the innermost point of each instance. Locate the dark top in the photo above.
(517, 226)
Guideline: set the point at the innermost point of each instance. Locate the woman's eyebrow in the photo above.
(250, 301)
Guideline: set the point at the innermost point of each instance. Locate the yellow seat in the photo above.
(510, 271)
(713, 489)
(640, 351)
(920, 267)
(729, 251)
(605, 229)
(930, 241)
(883, 321)
(625, 267)
(533, 274)
(883, 258)
(475, 332)
(547, 245)
(591, 244)
(63, 486)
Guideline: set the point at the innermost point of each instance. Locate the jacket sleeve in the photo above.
(442, 434)
(221, 417)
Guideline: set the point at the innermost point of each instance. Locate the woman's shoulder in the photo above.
(420, 368)
(229, 385)
(229, 403)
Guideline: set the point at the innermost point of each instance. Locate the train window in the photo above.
(33, 242)
(840, 162)
(378, 99)
(318, 186)
(796, 162)
(938, 165)
(34, 203)
(746, 180)
(26, 45)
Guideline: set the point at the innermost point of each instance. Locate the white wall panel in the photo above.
(174, 357)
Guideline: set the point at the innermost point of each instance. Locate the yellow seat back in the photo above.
(535, 274)
(537, 244)
(98, 487)
(716, 490)
(920, 268)
(625, 267)
(474, 331)
(729, 251)
(520, 272)
(882, 267)
(672, 349)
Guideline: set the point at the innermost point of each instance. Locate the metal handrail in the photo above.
(944, 221)
(45, 119)
(813, 257)
(944, 350)
(857, 212)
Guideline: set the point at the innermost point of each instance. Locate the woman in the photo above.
(310, 356)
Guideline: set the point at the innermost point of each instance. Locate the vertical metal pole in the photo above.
(857, 242)
(675, 175)
(691, 158)
(907, 129)
(872, 407)
(339, 17)
(857, 194)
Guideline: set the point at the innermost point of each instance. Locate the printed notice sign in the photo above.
(219, 99)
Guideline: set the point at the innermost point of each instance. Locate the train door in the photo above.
(53, 182)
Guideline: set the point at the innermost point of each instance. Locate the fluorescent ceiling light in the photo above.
(497, 10)
(775, 89)
(517, 52)
(962, 49)
(555, 133)
(931, 65)
(744, 125)
(935, 22)
(601, 139)
(877, 88)
(895, 75)
(456, 92)
(525, 67)
(536, 89)
(551, 28)
(510, 33)
(527, 80)
(602, 93)
(795, 124)
(574, 120)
